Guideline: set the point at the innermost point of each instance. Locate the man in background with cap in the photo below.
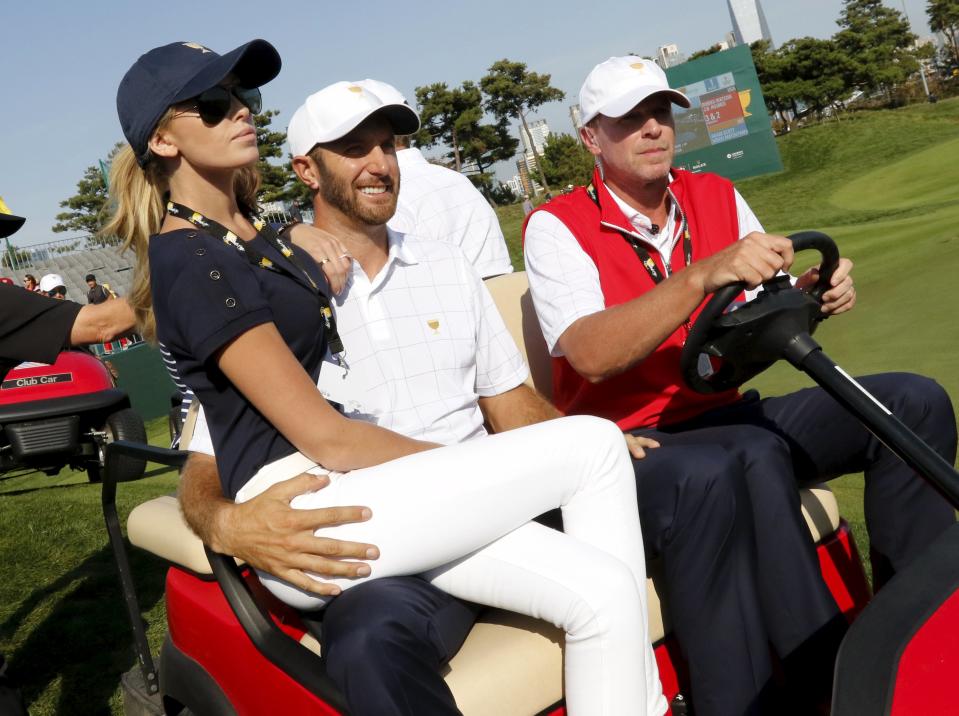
(616, 270)
(52, 285)
(96, 294)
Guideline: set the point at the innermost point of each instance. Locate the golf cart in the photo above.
(65, 414)
(232, 648)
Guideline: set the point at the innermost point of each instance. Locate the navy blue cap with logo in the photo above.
(167, 75)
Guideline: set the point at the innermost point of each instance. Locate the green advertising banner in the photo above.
(727, 129)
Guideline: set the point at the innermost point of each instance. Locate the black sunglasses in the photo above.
(213, 105)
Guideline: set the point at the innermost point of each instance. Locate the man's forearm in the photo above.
(611, 341)
(102, 322)
(202, 501)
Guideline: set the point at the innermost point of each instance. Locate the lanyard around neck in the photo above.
(641, 252)
(257, 259)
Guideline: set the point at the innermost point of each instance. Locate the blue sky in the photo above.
(61, 60)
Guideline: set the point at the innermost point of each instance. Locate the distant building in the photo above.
(538, 134)
(526, 181)
(669, 56)
(749, 22)
(576, 116)
(515, 185)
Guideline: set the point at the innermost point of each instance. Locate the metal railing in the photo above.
(17, 258)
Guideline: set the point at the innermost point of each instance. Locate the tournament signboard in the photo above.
(727, 129)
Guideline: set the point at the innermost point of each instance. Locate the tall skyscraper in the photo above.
(749, 22)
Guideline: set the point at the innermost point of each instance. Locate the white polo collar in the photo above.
(638, 219)
(399, 251)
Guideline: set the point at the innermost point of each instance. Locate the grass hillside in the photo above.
(882, 183)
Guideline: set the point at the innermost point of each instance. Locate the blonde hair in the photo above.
(138, 197)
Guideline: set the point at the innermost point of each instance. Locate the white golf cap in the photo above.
(617, 85)
(338, 109)
(50, 282)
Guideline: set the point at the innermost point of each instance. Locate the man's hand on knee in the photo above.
(638, 445)
(270, 535)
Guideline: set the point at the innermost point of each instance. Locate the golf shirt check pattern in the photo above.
(443, 205)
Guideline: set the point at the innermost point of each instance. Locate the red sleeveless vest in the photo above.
(652, 392)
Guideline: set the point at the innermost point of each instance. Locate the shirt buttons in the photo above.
(230, 303)
(215, 275)
(200, 252)
(191, 235)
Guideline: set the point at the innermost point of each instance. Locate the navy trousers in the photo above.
(386, 641)
(778, 443)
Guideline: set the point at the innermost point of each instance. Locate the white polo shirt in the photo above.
(424, 341)
(563, 279)
(441, 204)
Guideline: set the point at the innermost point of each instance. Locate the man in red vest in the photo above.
(617, 270)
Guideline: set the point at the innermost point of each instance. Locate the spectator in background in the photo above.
(30, 283)
(442, 204)
(97, 293)
(527, 205)
(52, 285)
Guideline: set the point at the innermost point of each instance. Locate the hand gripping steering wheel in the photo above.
(777, 324)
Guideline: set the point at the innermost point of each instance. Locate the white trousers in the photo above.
(460, 516)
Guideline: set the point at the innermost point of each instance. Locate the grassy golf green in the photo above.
(881, 183)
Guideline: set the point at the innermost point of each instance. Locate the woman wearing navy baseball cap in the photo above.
(247, 319)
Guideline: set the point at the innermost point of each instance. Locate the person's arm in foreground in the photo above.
(98, 323)
(267, 533)
(523, 406)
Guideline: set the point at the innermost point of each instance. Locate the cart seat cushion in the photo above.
(509, 664)
(158, 527)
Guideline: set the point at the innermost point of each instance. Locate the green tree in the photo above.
(512, 91)
(566, 161)
(448, 116)
(278, 182)
(503, 195)
(85, 210)
(944, 18)
(777, 92)
(712, 50)
(812, 71)
(876, 39)
(487, 144)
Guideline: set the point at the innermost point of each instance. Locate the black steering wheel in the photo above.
(751, 338)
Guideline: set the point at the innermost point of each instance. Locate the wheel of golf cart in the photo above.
(127, 425)
(742, 343)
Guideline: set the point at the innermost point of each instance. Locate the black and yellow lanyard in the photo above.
(643, 254)
(263, 229)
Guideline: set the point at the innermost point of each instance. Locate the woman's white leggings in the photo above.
(460, 516)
